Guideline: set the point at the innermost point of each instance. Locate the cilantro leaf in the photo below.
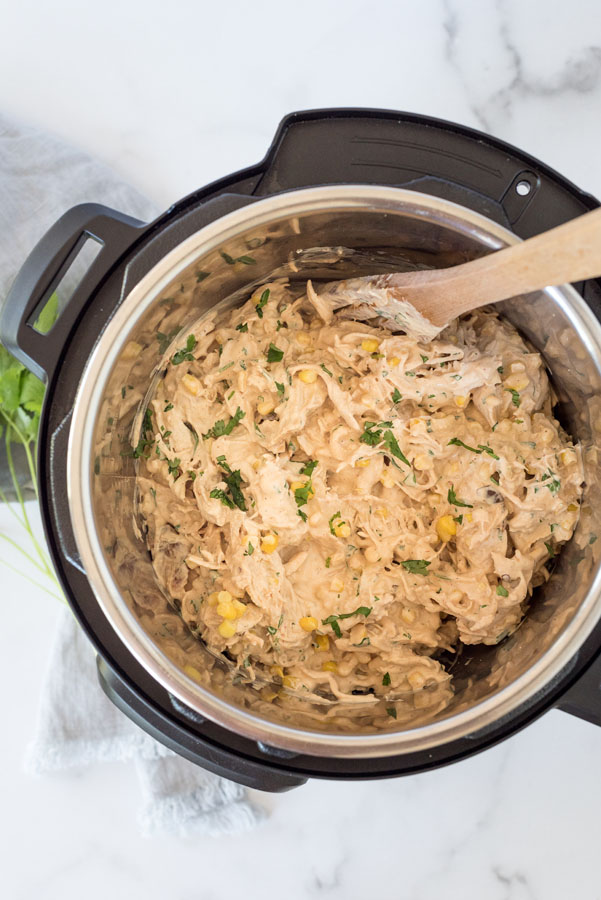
(308, 467)
(456, 442)
(242, 327)
(454, 500)
(392, 446)
(386, 679)
(515, 396)
(263, 300)
(185, 353)
(274, 354)
(502, 591)
(416, 566)
(280, 388)
(220, 428)
(233, 480)
(396, 395)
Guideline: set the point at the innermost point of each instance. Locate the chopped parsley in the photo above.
(274, 354)
(337, 515)
(502, 591)
(374, 433)
(515, 396)
(328, 561)
(458, 519)
(391, 712)
(145, 443)
(416, 566)
(308, 467)
(249, 550)
(396, 395)
(242, 327)
(168, 407)
(173, 467)
(165, 339)
(455, 501)
(185, 353)
(220, 428)
(550, 549)
(280, 388)
(302, 494)
(481, 448)
(302, 514)
(386, 679)
(326, 370)
(263, 300)
(231, 260)
(233, 481)
(333, 619)
(200, 276)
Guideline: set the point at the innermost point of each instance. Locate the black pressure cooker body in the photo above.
(322, 147)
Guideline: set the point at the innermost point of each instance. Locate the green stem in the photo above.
(41, 555)
(32, 580)
(30, 462)
(32, 560)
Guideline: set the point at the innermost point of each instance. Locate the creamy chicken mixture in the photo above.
(332, 505)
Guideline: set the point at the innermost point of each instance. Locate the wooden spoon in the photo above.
(570, 252)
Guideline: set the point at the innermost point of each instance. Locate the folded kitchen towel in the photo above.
(40, 178)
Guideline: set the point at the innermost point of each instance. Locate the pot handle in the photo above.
(583, 699)
(45, 268)
(262, 776)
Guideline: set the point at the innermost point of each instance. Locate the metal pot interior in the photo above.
(321, 233)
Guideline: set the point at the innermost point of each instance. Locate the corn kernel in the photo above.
(468, 517)
(343, 530)
(131, 350)
(308, 623)
(453, 339)
(268, 695)
(517, 382)
(191, 384)
(290, 682)
(224, 597)
(446, 528)
(226, 609)
(567, 457)
(393, 361)
(277, 670)
(265, 407)
(303, 339)
(213, 599)
(239, 607)
(193, 562)
(573, 507)
(329, 666)
(356, 561)
(382, 512)
(362, 463)
(408, 615)
(191, 672)
(227, 629)
(387, 480)
(307, 376)
(269, 543)
(337, 585)
(256, 464)
(416, 680)
(461, 401)
(372, 554)
(296, 485)
(322, 641)
(370, 345)
(422, 462)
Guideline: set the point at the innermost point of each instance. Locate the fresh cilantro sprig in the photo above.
(416, 566)
(375, 433)
(333, 619)
(185, 354)
(455, 501)
(233, 480)
(220, 428)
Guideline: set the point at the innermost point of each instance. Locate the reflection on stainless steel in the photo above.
(322, 233)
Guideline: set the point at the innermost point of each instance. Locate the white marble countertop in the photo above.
(174, 95)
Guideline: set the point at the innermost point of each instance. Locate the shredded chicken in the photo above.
(332, 505)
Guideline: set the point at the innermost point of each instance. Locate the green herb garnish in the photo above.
(416, 566)
(386, 679)
(220, 428)
(501, 591)
(515, 396)
(243, 327)
(396, 395)
(262, 301)
(308, 467)
(233, 480)
(185, 353)
(455, 501)
(274, 354)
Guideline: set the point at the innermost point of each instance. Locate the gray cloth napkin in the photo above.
(40, 178)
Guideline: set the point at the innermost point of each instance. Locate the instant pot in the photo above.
(340, 193)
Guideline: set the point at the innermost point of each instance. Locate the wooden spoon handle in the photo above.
(570, 252)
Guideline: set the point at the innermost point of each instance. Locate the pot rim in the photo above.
(81, 452)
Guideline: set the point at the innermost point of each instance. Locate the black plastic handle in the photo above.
(583, 699)
(189, 744)
(44, 269)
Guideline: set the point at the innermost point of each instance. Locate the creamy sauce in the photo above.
(332, 504)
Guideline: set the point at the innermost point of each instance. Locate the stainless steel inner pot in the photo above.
(382, 229)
